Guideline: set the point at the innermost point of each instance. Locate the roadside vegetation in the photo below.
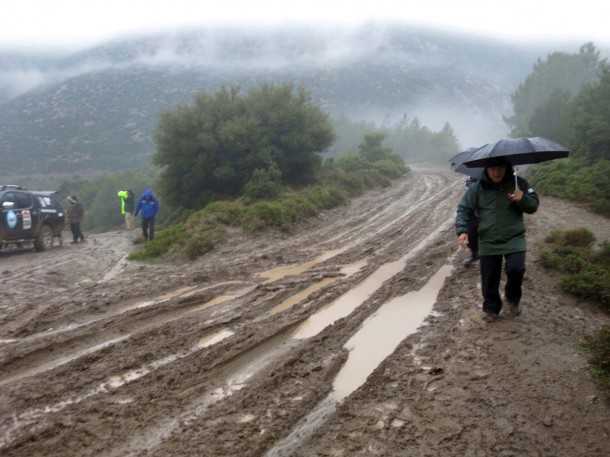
(253, 162)
(585, 274)
(566, 98)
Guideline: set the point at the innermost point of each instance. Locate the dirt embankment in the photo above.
(299, 344)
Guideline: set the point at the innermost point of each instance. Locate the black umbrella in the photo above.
(457, 163)
(517, 151)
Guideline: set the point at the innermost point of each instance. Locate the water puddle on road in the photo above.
(346, 271)
(376, 339)
(302, 295)
(382, 332)
(280, 272)
(352, 299)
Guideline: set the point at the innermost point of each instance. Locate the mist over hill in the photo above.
(96, 109)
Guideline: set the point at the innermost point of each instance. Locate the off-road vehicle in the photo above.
(30, 217)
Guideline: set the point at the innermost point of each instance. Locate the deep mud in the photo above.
(306, 343)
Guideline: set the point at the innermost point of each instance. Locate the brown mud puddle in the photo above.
(379, 335)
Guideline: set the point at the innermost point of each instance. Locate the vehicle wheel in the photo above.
(44, 240)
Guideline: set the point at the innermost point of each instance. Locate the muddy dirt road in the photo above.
(309, 343)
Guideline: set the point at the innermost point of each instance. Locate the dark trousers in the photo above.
(76, 232)
(148, 228)
(473, 238)
(491, 270)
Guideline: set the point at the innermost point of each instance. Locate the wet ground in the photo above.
(357, 334)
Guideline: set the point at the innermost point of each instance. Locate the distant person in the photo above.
(127, 201)
(75, 213)
(148, 205)
(501, 233)
(473, 230)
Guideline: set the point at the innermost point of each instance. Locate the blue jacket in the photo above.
(148, 205)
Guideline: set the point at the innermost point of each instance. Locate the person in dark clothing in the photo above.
(501, 233)
(473, 228)
(75, 213)
(148, 205)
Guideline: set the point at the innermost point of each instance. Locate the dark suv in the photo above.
(30, 217)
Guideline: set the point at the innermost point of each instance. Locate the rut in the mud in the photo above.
(250, 350)
(353, 251)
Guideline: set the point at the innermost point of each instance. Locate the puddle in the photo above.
(278, 273)
(378, 337)
(302, 295)
(352, 299)
(214, 338)
(383, 331)
(61, 361)
(346, 271)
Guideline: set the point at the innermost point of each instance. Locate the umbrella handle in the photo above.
(516, 183)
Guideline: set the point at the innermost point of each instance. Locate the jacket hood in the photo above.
(508, 176)
(147, 193)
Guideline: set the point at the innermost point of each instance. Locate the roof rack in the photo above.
(10, 186)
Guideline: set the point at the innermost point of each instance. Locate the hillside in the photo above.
(96, 109)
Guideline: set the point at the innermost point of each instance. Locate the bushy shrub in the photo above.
(564, 261)
(165, 239)
(592, 283)
(202, 241)
(576, 179)
(579, 237)
(598, 347)
(588, 271)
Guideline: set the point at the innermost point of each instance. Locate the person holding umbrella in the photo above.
(501, 198)
(473, 176)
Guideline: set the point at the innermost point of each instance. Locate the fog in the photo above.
(457, 78)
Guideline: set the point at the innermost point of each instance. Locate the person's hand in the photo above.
(463, 239)
(516, 196)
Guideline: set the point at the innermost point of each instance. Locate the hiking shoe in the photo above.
(513, 309)
(469, 261)
(490, 317)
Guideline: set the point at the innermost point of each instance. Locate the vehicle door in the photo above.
(10, 224)
(26, 219)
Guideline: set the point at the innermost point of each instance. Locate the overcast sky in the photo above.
(81, 22)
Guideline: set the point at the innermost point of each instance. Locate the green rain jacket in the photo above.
(501, 228)
(127, 202)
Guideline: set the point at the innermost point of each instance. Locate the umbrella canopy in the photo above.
(457, 163)
(517, 151)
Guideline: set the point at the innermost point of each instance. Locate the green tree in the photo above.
(559, 71)
(591, 119)
(372, 148)
(553, 119)
(214, 146)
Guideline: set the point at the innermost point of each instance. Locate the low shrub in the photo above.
(203, 241)
(598, 347)
(587, 270)
(592, 283)
(579, 237)
(164, 241)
